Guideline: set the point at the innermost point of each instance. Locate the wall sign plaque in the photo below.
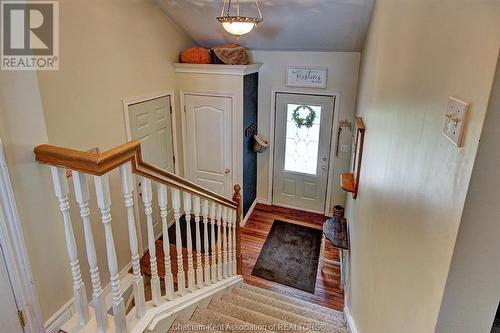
(309, 77)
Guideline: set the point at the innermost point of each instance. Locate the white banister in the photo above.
(235, 220)
(199, 268)
(82, 197)
(169, 278)
(127, 181)
(206, 256)
(213, 208)
(104, 203)
(230, 242)
(147, 199)
(189, 242)
(224, 243)
(219, 241)
(61, 191)
(176, 206)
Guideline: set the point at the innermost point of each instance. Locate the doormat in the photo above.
(290, 256)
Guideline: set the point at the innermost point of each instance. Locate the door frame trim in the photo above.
(235, 149)
(16, 254)
(333, 140)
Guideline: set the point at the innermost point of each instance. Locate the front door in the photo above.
(150, 123)
(302, 150)
(208, 133)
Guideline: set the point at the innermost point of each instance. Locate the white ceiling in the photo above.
(289, 25)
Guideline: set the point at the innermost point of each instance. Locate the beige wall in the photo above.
(109, 50)
(414, 182)
(473, 286)
(342, 78)
(22, 127)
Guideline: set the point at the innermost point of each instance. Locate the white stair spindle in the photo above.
(199, 268)
(176, 206)
(147, 199)
(169, 278)
(219, 242)
(82, 197)
(213, 208)
(189, 242)
(224, 243)
(229, 242)
(235, 264)
(104, 203)
(61, 190)
(127, 181)
(206, 255)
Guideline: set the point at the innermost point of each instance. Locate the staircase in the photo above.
(196, 284)
(251, 309)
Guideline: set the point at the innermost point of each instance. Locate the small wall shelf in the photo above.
(349, 181)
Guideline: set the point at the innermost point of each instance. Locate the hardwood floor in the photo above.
(253, 236)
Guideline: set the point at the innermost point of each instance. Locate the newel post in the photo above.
(237, 200)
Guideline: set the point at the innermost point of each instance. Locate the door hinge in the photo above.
(184, 108)
(20, 315)
(170, 109)
(174, 159)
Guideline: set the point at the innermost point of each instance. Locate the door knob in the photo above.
(227, 171)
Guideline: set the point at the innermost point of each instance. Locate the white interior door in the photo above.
(150, 122)
(208, 148)
(302, 153)
(8, 314)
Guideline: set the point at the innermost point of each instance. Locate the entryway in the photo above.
(303, 132)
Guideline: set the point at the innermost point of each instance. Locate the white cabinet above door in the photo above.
(208, 141)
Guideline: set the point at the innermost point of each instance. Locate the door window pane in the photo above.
(302, 143)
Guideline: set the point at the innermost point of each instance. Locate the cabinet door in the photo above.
(208, 146)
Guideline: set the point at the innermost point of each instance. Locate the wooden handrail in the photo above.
(101, 163)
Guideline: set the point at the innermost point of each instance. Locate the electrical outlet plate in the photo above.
(455, 120)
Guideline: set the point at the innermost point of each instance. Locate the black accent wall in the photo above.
(250, 99)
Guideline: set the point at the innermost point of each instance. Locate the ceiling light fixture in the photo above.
(236, 24)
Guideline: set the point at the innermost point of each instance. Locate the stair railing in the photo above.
(212, 209)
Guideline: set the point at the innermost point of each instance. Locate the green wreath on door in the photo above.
(308, 120)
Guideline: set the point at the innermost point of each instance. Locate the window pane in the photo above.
(302, 143)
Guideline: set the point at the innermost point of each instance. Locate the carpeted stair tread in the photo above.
(189, 326)
(214, 320)
(250, 316)
(337, 319)
(280, 314)
(295, 301)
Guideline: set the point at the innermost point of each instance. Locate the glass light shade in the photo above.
(238, 28)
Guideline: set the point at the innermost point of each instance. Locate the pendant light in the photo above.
(236, 24)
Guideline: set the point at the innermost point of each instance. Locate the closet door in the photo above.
(208, 146)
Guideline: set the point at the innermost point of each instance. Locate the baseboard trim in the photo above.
(264, 201)
(350, 321)
(54, 324)
(66, 312)
(245, 219)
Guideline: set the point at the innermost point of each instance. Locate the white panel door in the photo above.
(208, 149)
(302, 151)
(8, 315)
(150, 123)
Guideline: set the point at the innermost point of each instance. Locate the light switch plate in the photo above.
(455, 120)
(344, 148)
